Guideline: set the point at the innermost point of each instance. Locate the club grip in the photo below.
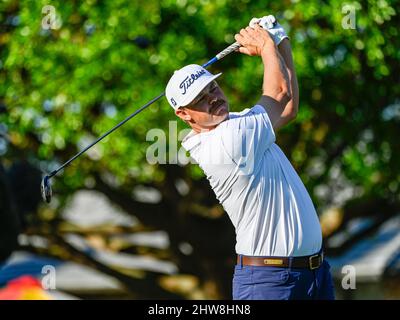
(228, 50)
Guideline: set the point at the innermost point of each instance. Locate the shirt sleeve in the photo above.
(247, 136)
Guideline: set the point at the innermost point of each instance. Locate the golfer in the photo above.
(278, 235)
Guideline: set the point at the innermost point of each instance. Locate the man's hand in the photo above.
(254, 41)
(286, 109)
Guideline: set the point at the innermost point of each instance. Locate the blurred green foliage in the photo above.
(62, 88)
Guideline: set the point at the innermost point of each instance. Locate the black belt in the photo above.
(311, 262)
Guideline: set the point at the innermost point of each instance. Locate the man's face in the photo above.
(207, 110)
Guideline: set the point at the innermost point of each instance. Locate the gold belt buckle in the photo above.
(311, 263)
(273, 262)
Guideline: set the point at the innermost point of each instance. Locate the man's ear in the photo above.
(183, 114)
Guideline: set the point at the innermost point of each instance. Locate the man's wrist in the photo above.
(267, 49)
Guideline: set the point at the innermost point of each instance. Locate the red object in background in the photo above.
(24, 288)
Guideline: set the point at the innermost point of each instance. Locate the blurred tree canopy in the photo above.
(61, 88)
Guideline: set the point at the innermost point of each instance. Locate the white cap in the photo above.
(186, 83)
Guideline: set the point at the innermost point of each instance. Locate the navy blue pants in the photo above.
(276, 283)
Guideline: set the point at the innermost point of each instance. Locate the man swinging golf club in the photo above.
(278, 235)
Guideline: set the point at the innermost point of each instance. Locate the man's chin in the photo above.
(222, 117)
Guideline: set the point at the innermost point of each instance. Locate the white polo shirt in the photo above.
(269, 206)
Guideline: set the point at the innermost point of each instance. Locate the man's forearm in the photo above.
(276, 79)
(286, 52)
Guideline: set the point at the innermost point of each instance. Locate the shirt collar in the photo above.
(191, 140)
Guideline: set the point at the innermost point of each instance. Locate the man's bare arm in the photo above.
(274, 102)
(287, 109)
(276, 84)
(276, 79)
(292, 106)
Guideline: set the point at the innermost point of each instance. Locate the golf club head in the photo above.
(45, 188)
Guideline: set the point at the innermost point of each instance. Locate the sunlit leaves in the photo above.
(110, 57)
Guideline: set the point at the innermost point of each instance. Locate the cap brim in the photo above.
(196, 91)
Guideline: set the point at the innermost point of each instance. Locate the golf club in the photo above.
(46, 185)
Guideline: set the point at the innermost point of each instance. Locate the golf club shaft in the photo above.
(219, 56)
(107, 133)
(223, 53)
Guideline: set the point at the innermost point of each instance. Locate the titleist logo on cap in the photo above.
(188, 81)
(186, 84)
